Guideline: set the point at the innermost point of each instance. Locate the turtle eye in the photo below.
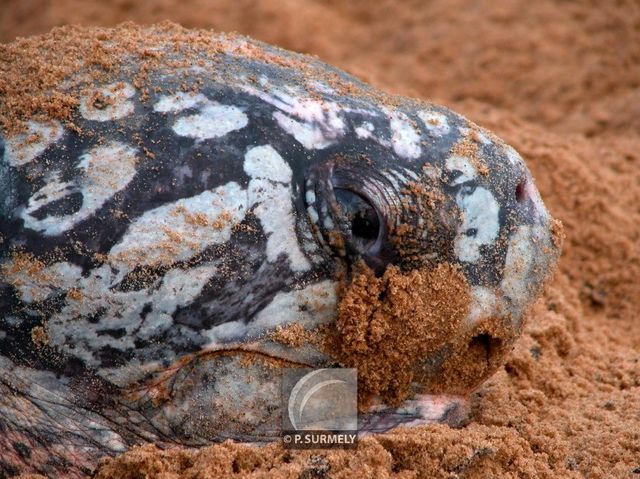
(361, 218)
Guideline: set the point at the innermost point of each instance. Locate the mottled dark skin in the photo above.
(67, 399)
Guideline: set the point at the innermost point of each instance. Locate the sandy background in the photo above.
(558, 80)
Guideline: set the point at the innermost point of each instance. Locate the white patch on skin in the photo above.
(322, 87)
(431, 171)
(180, 287)
(275, 213)
(464, 166)
(226, 332)
(313, 214)
(513, 156)
(265, 162)
(328, 223)
(484, 139)
(480, 212)
(317, 259)
(435, 122)
(108, 438)
(309, 246)
(308, 135)
(28, 145)
(179, 230)
(484, 304)
(176, 288)
(404, 137)
(520, 262)
(309, 307)
(180, 101)
(310, 197)
(213, 121)
(411, 174)
(117, 103)
(365, 130)
(53, 190)
(105, 169)
(313, 123)
(270, 191)
(39, 284)
(172, 233)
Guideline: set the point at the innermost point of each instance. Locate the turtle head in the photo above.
(419, 188)
(424, 186)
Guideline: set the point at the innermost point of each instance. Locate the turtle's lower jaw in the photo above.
(422, 409)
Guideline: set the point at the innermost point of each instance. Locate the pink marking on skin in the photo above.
(314, 123)
(79, 458)
(525, 190)
(521, 191)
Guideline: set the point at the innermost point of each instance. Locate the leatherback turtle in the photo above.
(206, 191)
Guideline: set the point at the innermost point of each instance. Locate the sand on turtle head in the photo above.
(386, 325)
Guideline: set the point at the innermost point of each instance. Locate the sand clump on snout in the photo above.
(387, 325)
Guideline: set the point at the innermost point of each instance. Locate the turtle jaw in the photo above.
(422, 409)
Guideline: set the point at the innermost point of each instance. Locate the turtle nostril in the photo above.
(486, 344)
(521, 191)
